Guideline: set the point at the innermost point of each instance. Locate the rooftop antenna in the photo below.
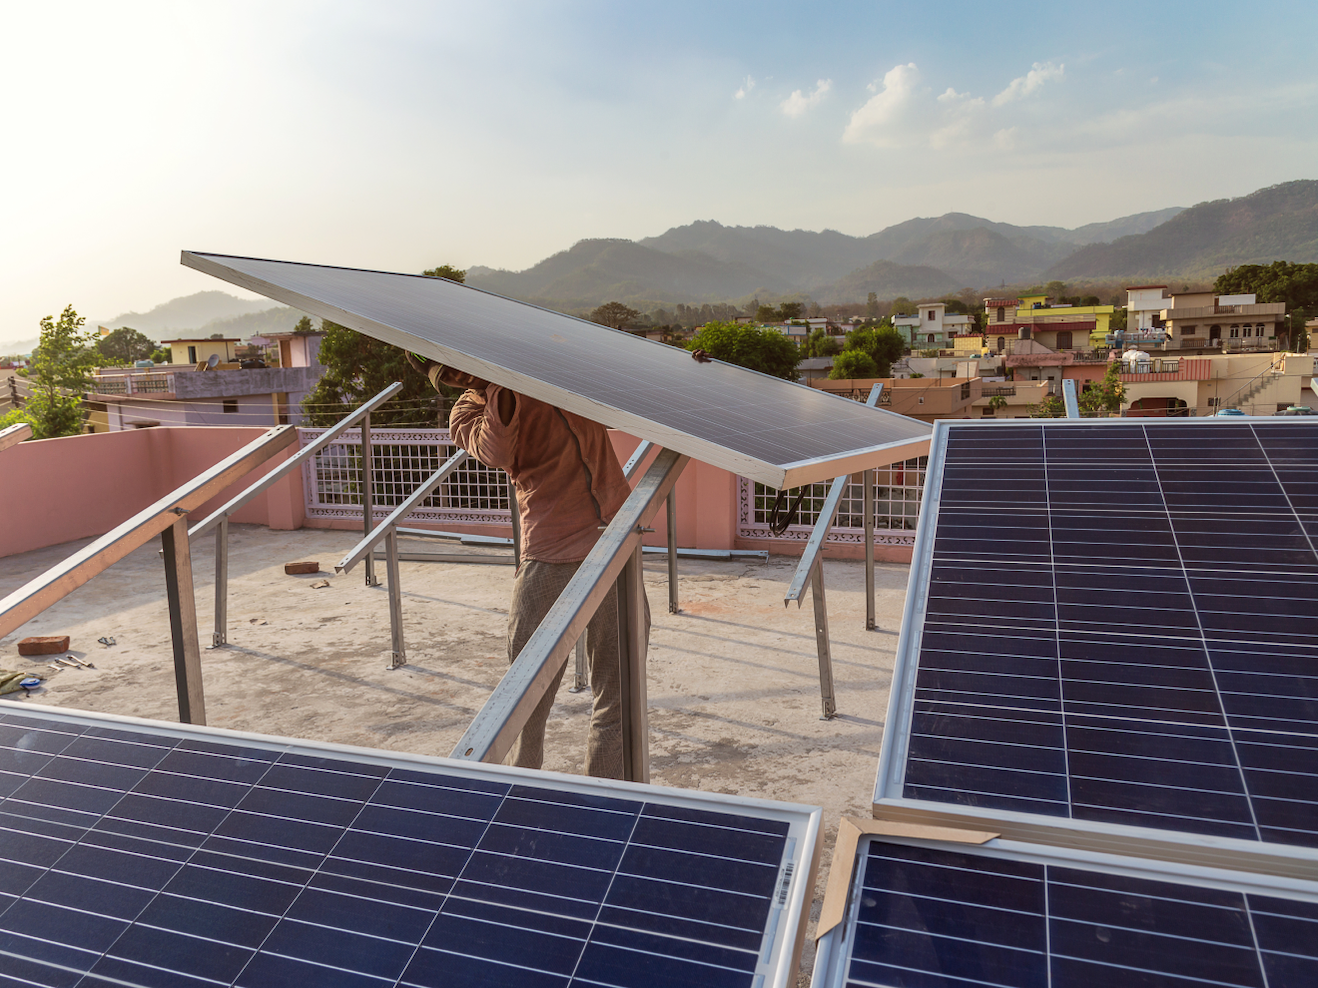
(213, 361)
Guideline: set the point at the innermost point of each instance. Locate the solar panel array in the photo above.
(774, 431)
(937, 917)
(1121, 626)
(178, 858)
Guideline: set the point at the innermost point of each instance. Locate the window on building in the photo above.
(1002, 314)
(1247, 331)
(991, 413)
(230, 406)
(192, 354)
(931, 337)
(1235, 332)
(965, 391)
(1064, 340)
(1002, 344)
(929, 315)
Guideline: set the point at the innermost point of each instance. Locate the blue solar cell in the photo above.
(1170, 586)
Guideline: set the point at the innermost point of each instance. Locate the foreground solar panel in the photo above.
(774, 431)
(925, 914)
(1114, 622)
(157, 856)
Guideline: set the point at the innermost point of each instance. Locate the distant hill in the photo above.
(706, 261)
(888, 280)
(189, 312)
(280, 319)
(1276, 223)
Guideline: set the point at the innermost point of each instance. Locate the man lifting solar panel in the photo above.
(771, 430)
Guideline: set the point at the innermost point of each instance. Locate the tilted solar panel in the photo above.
(177, 857)
(1115, 622)
(925, 914)
(774, 431)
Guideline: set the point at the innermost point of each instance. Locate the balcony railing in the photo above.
(131, 384)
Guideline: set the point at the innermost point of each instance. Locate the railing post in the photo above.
(867, 505)
(219, 635)
(395, 599)
(631, 663)
(673, 607)
(580, 680)
(183, 622)
(368, 503)
(821, 642)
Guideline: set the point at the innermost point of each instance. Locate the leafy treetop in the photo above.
(853, 364)
(447, 271)
(61, 372)
(125, 345)
(756, 347)
(615, 315)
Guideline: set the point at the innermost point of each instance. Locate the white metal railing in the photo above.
(132, 384)
(401, 460)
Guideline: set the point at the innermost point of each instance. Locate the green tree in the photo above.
(902, 306)
(61, 373)
(357, 367)
(1281, 281)
(447, 271)
(162, 355)
(1105, 396)
(125, 345)
(882, 345)
(303, 327)
(790, 310)
(852, 364)
(997, 403)
(615, 315)
(765, 350)
(872, 305)
(819, 344)
(766, 313)
(1051, 407)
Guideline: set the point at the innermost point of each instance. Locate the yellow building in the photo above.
(1058, 327)
(196, 351)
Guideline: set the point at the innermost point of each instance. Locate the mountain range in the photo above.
(706, 261)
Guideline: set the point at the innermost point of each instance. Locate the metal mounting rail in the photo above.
(1068, 397)
(388, 531)
(811, 568)
(168, 518)
(219, 519)
(615, 558)
(14, 435)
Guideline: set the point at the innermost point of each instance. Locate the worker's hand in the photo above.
(417, 365)
(700, 356)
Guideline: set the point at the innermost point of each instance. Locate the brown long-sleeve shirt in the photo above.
(567, 477)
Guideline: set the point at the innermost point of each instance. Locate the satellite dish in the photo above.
(213, 361)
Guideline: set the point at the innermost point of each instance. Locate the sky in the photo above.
(401, 136)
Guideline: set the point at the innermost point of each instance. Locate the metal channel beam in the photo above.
(363, 548)
(292, 463)
(62, 579)
(496, 726)
(368, 498)
(14, 435)
(1068, 397)
(183, 621)
(673, 607)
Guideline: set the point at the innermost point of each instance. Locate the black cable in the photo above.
(776, 525)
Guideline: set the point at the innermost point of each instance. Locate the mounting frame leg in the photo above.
(580, 678)
(183, 622)
(219, 637)
(631, 660)
(821, 642)
(399, 658)
(368, 500)
(673, 607)
(867, 502)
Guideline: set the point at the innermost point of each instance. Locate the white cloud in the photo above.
(880, 120)
(798, 103)
(951, 95)
(746, 86)
(1030, 83)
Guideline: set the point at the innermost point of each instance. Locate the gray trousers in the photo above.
(535, 589)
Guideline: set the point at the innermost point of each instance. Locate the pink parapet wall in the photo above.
(57, 490)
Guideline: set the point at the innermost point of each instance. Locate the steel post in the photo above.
(821, 642)
(516, 513)
(673, 607)
(183, 622)
(218, 636)
(395, 600)
(867, 505)
(580, 680)
(632, 643)
(1069, 398)
(496, 726)
(368, 502)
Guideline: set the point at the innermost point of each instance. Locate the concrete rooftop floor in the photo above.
(733, 677)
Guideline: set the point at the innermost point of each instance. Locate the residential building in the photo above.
(932, 326)
(923, 398)
(1144, 305)
(950, 363)
(1019, 399)
(1202, 384)
(814, 368)
(295, 349)
(1231, 322)
(1057, 326)
(198, 351)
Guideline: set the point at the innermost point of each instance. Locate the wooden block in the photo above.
(44, 645)
(294, 569)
